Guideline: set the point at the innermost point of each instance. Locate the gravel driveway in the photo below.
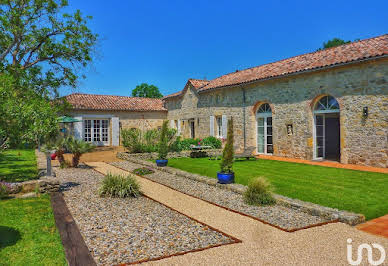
(128, 230)
(281, 216)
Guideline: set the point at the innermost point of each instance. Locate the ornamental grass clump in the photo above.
(259, 192)
(117, 186)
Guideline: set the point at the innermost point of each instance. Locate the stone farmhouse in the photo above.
(330, 104)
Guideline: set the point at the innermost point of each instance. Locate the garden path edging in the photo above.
(307, 207)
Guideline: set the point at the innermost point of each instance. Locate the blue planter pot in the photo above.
(225, 178)
(161, 163)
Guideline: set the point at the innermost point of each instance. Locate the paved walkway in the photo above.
(261, 244)
(378, 226)
(326, 163)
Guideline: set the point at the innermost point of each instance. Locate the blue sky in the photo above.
(166, 42)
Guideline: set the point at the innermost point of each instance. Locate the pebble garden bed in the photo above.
(132, 229)
(277, 215)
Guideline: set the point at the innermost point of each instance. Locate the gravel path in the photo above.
(127, 230)
(281, 216)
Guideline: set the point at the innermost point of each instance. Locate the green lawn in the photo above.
(18, 165)
(28, 233)
(355, 191)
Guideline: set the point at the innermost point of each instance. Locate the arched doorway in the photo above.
(327, 129)
(264, 129)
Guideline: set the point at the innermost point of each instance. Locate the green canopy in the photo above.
(67, 119)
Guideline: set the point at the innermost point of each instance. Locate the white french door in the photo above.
(319, 136)
(96, 131)
(264, 135)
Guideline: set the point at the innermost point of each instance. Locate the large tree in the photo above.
(148, 91)
(333, 43)
(42, 48)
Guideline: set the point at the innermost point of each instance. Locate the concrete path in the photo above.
(261, 244)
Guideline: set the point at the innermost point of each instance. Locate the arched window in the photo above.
(327, 104)
(264, 109)
(264, 129)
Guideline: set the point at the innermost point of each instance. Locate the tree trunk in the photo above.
(76, 157)
(60, 157)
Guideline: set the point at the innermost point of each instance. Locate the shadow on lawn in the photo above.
(9, 236)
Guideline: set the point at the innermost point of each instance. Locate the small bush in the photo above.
(143, 171)
(212, 142)
(5, 188)
(119, 186)
(259, 192)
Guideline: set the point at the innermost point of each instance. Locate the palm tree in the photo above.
(60, 146)
(77, 148)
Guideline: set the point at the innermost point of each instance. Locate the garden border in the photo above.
(76, 250)
(231, 210)
(307, 207)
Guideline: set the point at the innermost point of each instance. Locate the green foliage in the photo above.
(41, 49)
(137, 141)
(78, 147)
(143, 171)
(186, 143)
(212, 142)
(132, 140)
(4, 190)
(333, 43)
(228, 153)
(146, 90)
(259, 192)
(42, 45)
(163, 142)
(27, 117)
(119, 186)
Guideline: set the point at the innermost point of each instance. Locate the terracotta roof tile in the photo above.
(117, 103)
(352, 52)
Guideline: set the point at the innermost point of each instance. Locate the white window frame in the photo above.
(326, 110)
(264, 115)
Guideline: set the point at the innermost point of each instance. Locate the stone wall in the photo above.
(363, 140)
(154, 155)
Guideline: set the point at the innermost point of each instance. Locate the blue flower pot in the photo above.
(225, 178)
(161, 163)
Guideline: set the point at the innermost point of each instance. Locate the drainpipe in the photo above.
(244, 122)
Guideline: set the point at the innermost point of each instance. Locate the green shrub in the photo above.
(186, 143)
(259, 192)
(163, 142)
(119, 186)
(212, 142)
(228, 153)
(4, 190)
(137, 141)
(143, 171)
(78, 147)
(131, 140)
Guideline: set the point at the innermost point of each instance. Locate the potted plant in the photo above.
(226, 175)
(163, 146)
